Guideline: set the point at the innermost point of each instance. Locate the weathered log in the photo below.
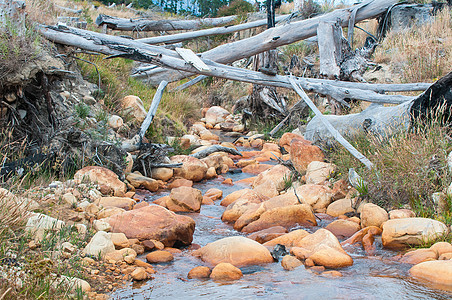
(160, 25)
(69, 10)
(179, 37)
(190, 83)
(385, 121)
(153, 109)
(157, 55)
(273, 38)
(215, 148)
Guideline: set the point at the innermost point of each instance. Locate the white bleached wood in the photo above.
(191, 58)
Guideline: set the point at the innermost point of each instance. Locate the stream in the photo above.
(374, 277)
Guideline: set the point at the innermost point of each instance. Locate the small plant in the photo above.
(82, 110)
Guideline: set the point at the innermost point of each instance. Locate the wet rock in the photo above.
(139, 274)
(343, 228)
(211, 173)
(317, 196)
(214, 194)
(237, 250)
(134, 106)
(120, 240)
(207, 201)
(215, 115)
(332, 273)
(102, 176)
(247, 200)
(289, 240)
(287, 216)
(358, 236)
(256, 168)
(340, 207)
(373, 215)
(302, 153)
(268, 234)
(245, 162)
(139, 181)
(225, 272)
(120, 202)
(275, 176)
(100, 245)
(180, 182)
(159, 257)
(437, 274)
(318, 172)
(400, 233)
(401, 214)
(192, 169)
(184, 199)
(162, 201)
(290, 262)
(199, 272)
(323, 248)
(154, 222)
(164, 174)
(419, 255)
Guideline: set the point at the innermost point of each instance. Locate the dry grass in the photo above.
(420, 53)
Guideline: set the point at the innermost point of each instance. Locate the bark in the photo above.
(159, 25)
(179, 37)
(120, 47)
(273, 38)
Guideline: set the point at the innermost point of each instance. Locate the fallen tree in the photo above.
(385, 121)
(120, 47)
(179, 37)
(146, 24)
(273, 38)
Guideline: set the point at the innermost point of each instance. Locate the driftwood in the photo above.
(69, 10)
(159, 25)
(153, 109)
(116, 46)
(385, 121)
(179, 37)
(330, 41)
(273, 38)
(190, 83)
(212, 149)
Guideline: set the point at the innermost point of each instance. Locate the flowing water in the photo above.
(375, 277)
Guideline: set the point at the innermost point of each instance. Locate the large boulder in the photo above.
(140, 181)
(372, 215)
(400, 233)
(302, 153)
(233, 197)
(154, 223)
(184, 199)
(287, 216)
(237, 250)
(437, 273)
(100, 245)
(317, 196)
(318, 172)
(102, 176)
(216, 114)
(192, 169)
(134, 106)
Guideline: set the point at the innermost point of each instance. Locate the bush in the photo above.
(236, 7)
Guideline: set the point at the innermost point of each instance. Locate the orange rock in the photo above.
(290, 262)
(154, 222)
(373, 215)
(317, 196)
(103, 177)
(241, 205)
(260, 159)
(276, 176)
(192, 169)
(184, 199)
(419, 255)
(236, 250)
(302, 154)
(256, 168)
(268, 234)
(358, 237)
(436, 274)
(287, 138)
(248, 181)
(199, 272)
(317, 269)
(368, 244)
(233, 197)
(250, 154)
(288, 217)
(228, 181)
(214, 194)
(257, 143)
(140, 205)
(289, 240)
(309, 263)
(207, 200)
(225, 272)
(173, 250)
(441, 248)
(180, 182)
(120, 202)
(211, 173)
(401, 214)
(340, 207)
(162, 201)
(343, 228)
(340, 189)
(245, 162)
(159, 257)
(332, 273)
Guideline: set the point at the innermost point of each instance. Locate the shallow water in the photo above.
(369, 278)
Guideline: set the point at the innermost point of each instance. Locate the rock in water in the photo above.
(225, 271)
(237, 250)
(437, 273)
(154, 223)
